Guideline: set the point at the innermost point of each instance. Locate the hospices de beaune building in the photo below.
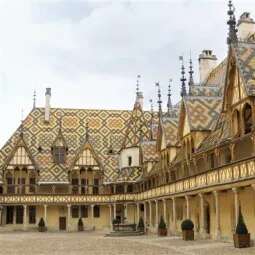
(195, 160)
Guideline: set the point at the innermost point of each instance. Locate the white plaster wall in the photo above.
(132, 152)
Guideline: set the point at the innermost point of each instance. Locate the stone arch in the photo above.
(236, 127)
(247, 118)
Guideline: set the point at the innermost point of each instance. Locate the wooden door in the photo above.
(62, 223)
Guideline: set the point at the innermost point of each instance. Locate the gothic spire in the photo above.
(22, 124)
(151, 124)
(232, 31)
(169, 101)
(138, 86)
(159, 99)
(34, 99)
(183, 79)
(191, 80)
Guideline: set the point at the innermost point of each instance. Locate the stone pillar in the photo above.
(25, 217)
(144, 215)
(174, 214)
(236, 192)
(114, 211)
(114, 189)
(126, 213)
(68, 216)
(164, 211)
(202, 217)
(45, 214)
(110, 216)
(150, 207)
(137, 212)
(92, 211)
(156, 216)
(187, 207)
(217, 216)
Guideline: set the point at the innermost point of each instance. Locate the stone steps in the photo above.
(125, 233)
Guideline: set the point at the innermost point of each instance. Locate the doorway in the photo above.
(62, 223)
(207, 218)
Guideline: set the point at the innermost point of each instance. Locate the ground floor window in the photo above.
(32, 214)
(96, 211)
(19, 214)
(84, 211)
(9, 214)
(75, 211)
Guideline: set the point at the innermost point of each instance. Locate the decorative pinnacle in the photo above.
(183, 79)
(151, 119)
(87, 130)
(137, 86)
(34, 99)
(232, 31)
(22, 124)
(191, 80)
(169, 101)
(159, 98)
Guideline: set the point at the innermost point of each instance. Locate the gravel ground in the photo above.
(96, 243)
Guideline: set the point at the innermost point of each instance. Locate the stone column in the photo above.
(68, 216)
(25, 217)
(45, 214)
(187, 207)
(126, 213)
(110, 216)
(145, 214)
(174, 214)
(137, 212)
(92, 211)
(164, 210)
(156, 216)
(202, 217)
(150, 208)
(217, 216)
(236, 192)
(114, 211)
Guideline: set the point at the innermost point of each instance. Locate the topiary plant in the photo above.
(241, 227)
(41, 223)
(187, 225)
(80, 222)
(140, 223)
(162, 224)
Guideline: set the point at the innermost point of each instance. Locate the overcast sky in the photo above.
(90, 52)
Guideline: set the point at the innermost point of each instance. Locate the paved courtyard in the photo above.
(96, 243)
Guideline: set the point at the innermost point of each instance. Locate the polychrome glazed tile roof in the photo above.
(202, 112)
(149, 151)
(129, 174)
(105, 127)
(170, 128)
(206, 90)
(245, 54)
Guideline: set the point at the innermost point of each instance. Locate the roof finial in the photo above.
(137, 86)
(151, 119)
(169, 101)
(22, 124)
(183, 79)
(34, 99)
(159, 99)
(191, 80)
(232, 31)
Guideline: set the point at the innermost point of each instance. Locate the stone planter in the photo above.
(42, 229)
(162, 231)
(241, 241)
(115, 227)
(140, 229)
(188, 235)
(80, 228)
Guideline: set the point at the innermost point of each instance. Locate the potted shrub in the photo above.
(115, 224)
(140, 225)
(241, 236)
(162, 230)
(187, 230)
(41, 225)
(80, 225)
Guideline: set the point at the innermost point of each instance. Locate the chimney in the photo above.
(47, 104)
(245, 26)
(207, 62)
(140, 99)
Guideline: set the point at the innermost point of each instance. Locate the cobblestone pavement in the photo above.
(96, 243)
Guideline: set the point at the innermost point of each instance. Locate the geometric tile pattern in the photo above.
(129, 174)
(170, 128)
(149, 151)
(106, 127)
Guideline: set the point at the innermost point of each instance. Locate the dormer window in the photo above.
(129, 160)
(59, 154)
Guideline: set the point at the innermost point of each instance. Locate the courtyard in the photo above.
(97, 243)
